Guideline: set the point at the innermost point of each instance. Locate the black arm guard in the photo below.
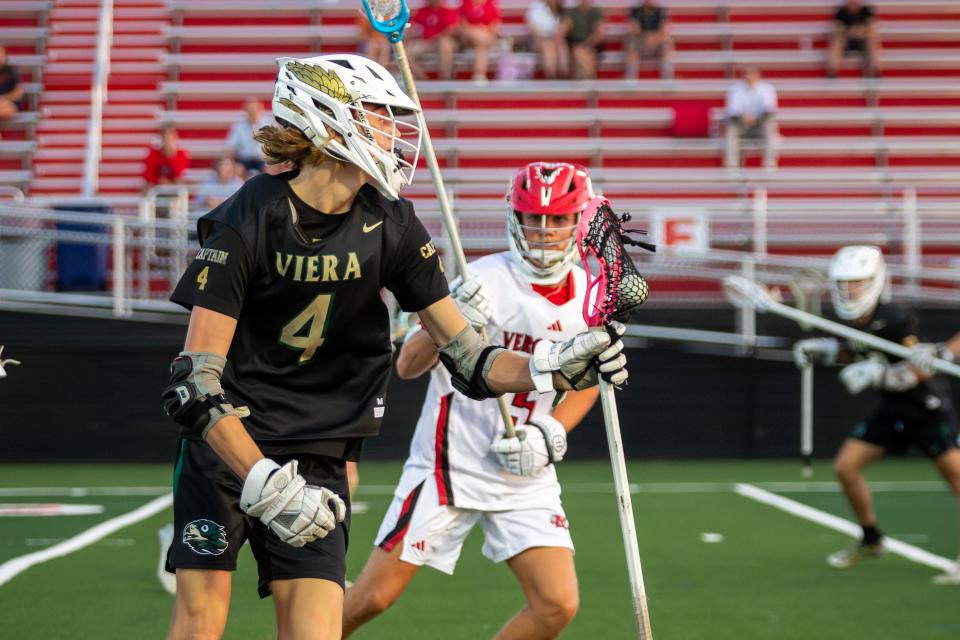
(475, 387)
(188, 400)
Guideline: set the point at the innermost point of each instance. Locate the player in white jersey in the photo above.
(462, 470)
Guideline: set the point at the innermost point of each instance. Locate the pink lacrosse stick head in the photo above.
(596, 285)
(618, 287)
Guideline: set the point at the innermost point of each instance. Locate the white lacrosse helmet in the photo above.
(858, 275)
(325, 95)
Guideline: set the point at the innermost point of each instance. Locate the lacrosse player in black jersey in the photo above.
(915, 407)
(288, 349)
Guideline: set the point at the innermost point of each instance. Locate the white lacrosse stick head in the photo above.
(744, 293)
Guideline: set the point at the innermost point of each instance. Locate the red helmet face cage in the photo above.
(546, 189)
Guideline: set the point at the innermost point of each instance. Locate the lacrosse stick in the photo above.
(389, 17)
(806, 419)
(616, 291)
(742, 292)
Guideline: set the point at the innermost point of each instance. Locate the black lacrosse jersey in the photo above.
(311, 354)
(899, 325)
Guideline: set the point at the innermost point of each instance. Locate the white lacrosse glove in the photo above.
(816, 351)
(541, 442)
(472, 298)
(296, 512)
(923, 355)
(876, 373)
(866, 374)
(580, 360)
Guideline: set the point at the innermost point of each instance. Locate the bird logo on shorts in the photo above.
(205, 537)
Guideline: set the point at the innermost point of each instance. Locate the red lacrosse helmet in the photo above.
(546, 189)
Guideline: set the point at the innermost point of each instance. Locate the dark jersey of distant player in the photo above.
(861, 16)
(311, 354)
(650, 19)
(898, 325)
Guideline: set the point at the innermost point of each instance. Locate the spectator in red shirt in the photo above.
(435, 29)
(480, 29)
(167, 162)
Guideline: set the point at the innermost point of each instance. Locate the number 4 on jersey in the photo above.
(305, 331)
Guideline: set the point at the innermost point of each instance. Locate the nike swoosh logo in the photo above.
(367, 228)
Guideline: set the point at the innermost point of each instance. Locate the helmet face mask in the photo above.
(857, 281)
(353, 110)
(546, 240)
(543, 209)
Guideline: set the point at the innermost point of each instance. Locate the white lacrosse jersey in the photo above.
(451, 446)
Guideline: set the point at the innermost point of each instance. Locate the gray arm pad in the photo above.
(469, 360)
(194, 397)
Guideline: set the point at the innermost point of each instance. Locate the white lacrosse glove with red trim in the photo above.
(298, 513)
(540, 443)
(581, 360)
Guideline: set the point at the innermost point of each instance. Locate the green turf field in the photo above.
(766, 579)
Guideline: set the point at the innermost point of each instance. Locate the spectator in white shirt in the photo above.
(221, 184)
(751, 113)
(543, 18)
(240, 143)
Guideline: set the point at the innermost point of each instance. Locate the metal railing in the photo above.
(149, 249)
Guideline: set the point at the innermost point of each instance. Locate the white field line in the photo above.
(895, 486)
(11, 568)
(920, 486)
(836, 523)
(81, 492)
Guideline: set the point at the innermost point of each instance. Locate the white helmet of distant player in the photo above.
(544, 190)
(858, 275)
(329, 95)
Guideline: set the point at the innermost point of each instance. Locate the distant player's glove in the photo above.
(538, 444)
(474, 302)
(816, 351)
(866, 374)
(876, 373)
(296, 512)
(581, 359)
(923, 355)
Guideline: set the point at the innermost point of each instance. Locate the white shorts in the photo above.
(432, 534)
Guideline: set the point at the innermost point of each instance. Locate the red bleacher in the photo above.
(193, 62)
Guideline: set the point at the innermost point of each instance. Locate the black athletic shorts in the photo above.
(210, 528)
(855, 45)
(933, 433)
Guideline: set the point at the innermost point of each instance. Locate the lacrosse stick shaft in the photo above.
(745, 292)
(445, 209)
(611, 423)
(843, 331)
(806, 419)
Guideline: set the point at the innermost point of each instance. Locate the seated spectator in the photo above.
(854, 31)
(649, 39)
(11, 92)
(373, 44)
(584, 30)
(220, 186)
(166, 162)
(479, 30)
(240, 143)
(544, 19)
(751, 109)
(435, 29)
